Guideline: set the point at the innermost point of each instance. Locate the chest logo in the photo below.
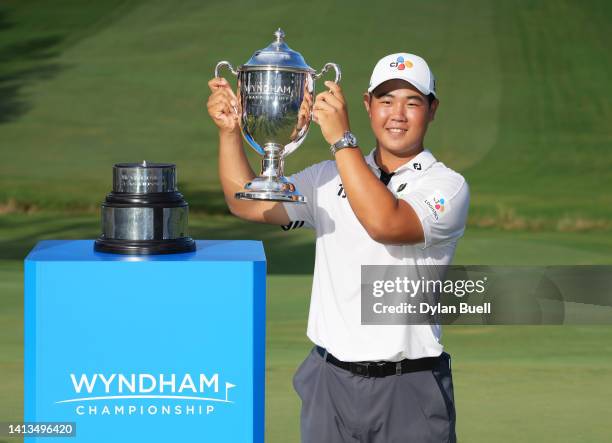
(341, 191)
(401, 187)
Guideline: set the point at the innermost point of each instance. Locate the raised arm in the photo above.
(385, 218)
(234, 167)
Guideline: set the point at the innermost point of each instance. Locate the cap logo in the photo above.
(401, 64)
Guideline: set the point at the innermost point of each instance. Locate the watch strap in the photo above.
(348, 140)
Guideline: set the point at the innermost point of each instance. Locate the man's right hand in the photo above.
(223, 105)
(234, 167)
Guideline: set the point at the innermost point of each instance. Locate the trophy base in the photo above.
(271, 196)
(145, 247)
(277, 189)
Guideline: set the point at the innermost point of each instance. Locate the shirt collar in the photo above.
(419, 163)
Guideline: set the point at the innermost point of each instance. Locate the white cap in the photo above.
(404, 66)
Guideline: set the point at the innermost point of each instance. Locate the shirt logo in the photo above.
(293, 225)
(341, 191)
(416, 166)
(400, 64)
(401, 187)
(438, 205)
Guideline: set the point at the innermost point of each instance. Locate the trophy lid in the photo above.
(279, 55)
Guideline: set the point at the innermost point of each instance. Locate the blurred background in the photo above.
(525, 116)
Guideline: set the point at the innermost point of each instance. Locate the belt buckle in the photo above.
(362, 369)
(380, 368)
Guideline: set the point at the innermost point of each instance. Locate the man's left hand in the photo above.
(330, 113)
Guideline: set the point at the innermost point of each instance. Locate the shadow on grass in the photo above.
(287, 252)
(21, 64)
(16, 248)
(204, 200)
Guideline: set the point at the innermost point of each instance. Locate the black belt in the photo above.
(381, 368)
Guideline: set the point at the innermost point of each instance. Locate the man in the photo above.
(396, 206)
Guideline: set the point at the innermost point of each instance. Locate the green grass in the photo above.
(293, 252)
(524, 115)
(11, 340)
(524, 111)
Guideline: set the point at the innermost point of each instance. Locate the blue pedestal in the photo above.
(146, 349)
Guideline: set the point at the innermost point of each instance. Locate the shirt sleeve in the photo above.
(441, 203)
(302, 214)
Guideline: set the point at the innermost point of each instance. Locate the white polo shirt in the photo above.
(440, 198)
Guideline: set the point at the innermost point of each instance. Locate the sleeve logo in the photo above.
(438, 205)
(293, 225)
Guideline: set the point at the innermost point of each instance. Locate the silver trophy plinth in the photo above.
(275, 98)
(144, 213)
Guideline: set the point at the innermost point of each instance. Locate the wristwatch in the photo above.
(348, 140)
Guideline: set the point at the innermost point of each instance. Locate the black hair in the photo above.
(430, 97)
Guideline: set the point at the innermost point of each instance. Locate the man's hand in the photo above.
(303, 115)
(331, 114)
(234, 169)
(223, 106)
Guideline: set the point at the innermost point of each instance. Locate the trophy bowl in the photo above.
(275, 98)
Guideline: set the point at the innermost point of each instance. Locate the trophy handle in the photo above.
(326, 68)
(222, 64)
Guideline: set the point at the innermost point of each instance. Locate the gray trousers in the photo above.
(339, 407)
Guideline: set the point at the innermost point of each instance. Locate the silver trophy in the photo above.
(275, 99)
(144, 213)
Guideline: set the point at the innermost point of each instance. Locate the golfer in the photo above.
(396, 206)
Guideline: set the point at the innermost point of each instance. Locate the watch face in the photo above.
(351, 139)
